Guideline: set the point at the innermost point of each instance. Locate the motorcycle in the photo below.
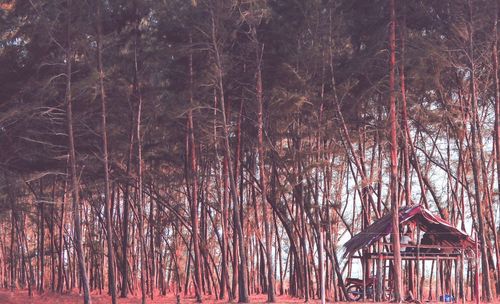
(355, 289)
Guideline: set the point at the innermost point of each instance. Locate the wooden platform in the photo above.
(414, 256)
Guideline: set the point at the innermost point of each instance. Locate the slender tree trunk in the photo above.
(225, 228)
(24, 248)
(73, 171)
(107, 192)
(404, 112)
(41, 282)
(52, 239)
(126, 207)
(271, 296)
(476, 167)
(60, 273)
(194, 211)
(140, 192)
(242, 284)
(496, 132)
(194, 191)
(152, 272)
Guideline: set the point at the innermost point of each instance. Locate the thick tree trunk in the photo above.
(398, 283)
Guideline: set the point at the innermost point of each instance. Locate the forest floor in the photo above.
(21, 297)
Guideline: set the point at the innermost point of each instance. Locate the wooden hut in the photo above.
(444, 268)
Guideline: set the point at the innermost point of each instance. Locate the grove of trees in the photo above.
(219, 149)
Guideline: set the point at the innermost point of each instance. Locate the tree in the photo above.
(398, 286)
(107, 193)
(73, 163)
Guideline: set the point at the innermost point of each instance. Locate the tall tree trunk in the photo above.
(476, 167)
(404, 112)
(271, 294)
(242, 283)
(126, 207)
(60, 273)
(72, 162)
(107, 192)
(152, 244)
(225, 228)
(52, 239)
(223, 180)
(398, 283)
(42, 239)
(140, 192)
(194, 191)
(194, 179)
(496, 132)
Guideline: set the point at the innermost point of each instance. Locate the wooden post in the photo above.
(461, 291)
(380, 275)
(470, 284)
(437, 278)
(321, 266)
(417, 266)
(430, 280)
(373, 269)
(457, 280)
(363, 266)
(467, 281)
(476, 275)
(441, 277)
